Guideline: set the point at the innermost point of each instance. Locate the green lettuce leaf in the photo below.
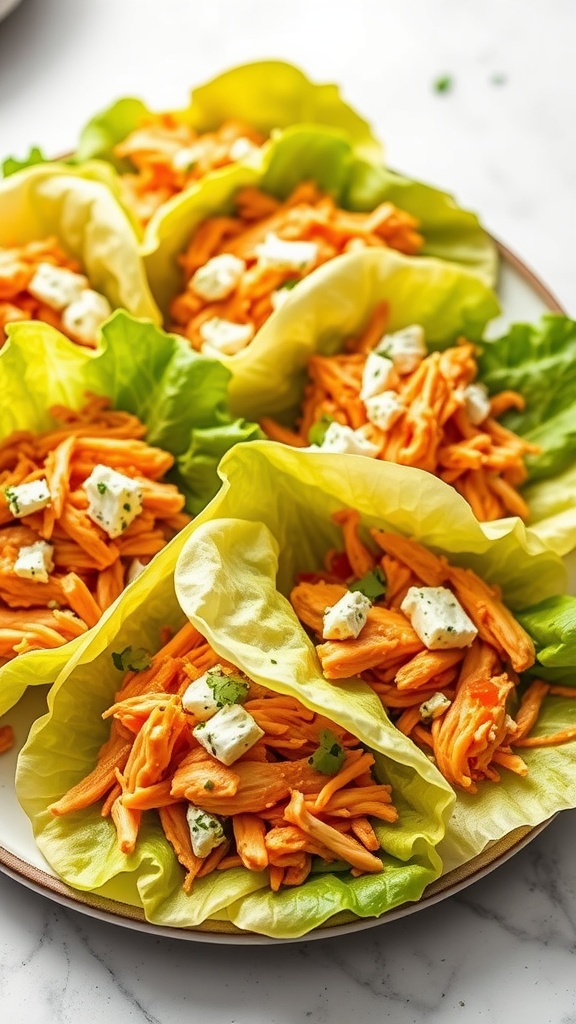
(13, 164)
(552, 626)
(335, 303)
(539, 361)
(234, 567)
(83, 216)
(328, 157)
(267, 95)
(179, 395)
(81, 847)
(450, 233)
(294, 493)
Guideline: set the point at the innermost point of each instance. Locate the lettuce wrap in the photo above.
(335, 303)
(293, 494)
(327, 157)
(267, 95)
(82, 214)
(230, 572)
(81, 846)
(180, 396)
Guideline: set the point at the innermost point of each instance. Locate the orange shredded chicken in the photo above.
(167, 156)
(283, 805)
(307, 216)
(22, 299)
(431, 428)
(456, 702)
(89, 568)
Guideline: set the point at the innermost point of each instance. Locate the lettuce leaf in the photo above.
(450, 232)
(293, 493)
(334, 304)
(179, 395)
(83, 216)
(267, 95)
(539, 361)
(81, 847)
(327, 156)
(552, 625)
(231, 571)
(12, 164)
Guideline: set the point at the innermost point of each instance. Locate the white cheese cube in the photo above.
(347, 617)
(476, 403)
(185, 158)
(383, 410)
(24, 499)
(206, 832)
(199, 698)
(406, 348)
(114, 499)
(229, 733)
(435, 706)
(34, 561)
(378, 375)
(218, 278)
(438, 618)
(342, 439)
(56, 286)
(286, 255)
(223, 337)
(241, 148)
(82, 318)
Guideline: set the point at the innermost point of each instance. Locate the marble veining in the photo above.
(501, 139)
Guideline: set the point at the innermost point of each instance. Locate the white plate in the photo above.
(523, 298)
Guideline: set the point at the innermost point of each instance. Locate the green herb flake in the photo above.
(329, 757)
(230, 689)
(102, 487)
(131, 659)
(127, 506)
(317, 431)
(289, 284)
(209, 785)
(12, 499)
(444, 83)
(372, 585)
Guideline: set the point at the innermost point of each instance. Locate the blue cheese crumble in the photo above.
(218, 278)
(346, 618)
(206, 832)
(34, 561)
(406, 348)
(229, 733)
(438, 618)
(114, 499)
(24, 499)
(342, 439)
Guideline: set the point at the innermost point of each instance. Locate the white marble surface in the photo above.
(502, 140)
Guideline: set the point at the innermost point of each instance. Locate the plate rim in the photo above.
(224, 932)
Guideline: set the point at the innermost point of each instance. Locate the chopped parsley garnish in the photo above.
(227, 689)
(329, 757)
(131, 659)
(126, 507)
(372, 584)
(209, 785)
(102, 487)
(317, 431)
(443, 83)
(289, 284)
(12, 499)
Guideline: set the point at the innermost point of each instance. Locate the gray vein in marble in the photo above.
(121, 988)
